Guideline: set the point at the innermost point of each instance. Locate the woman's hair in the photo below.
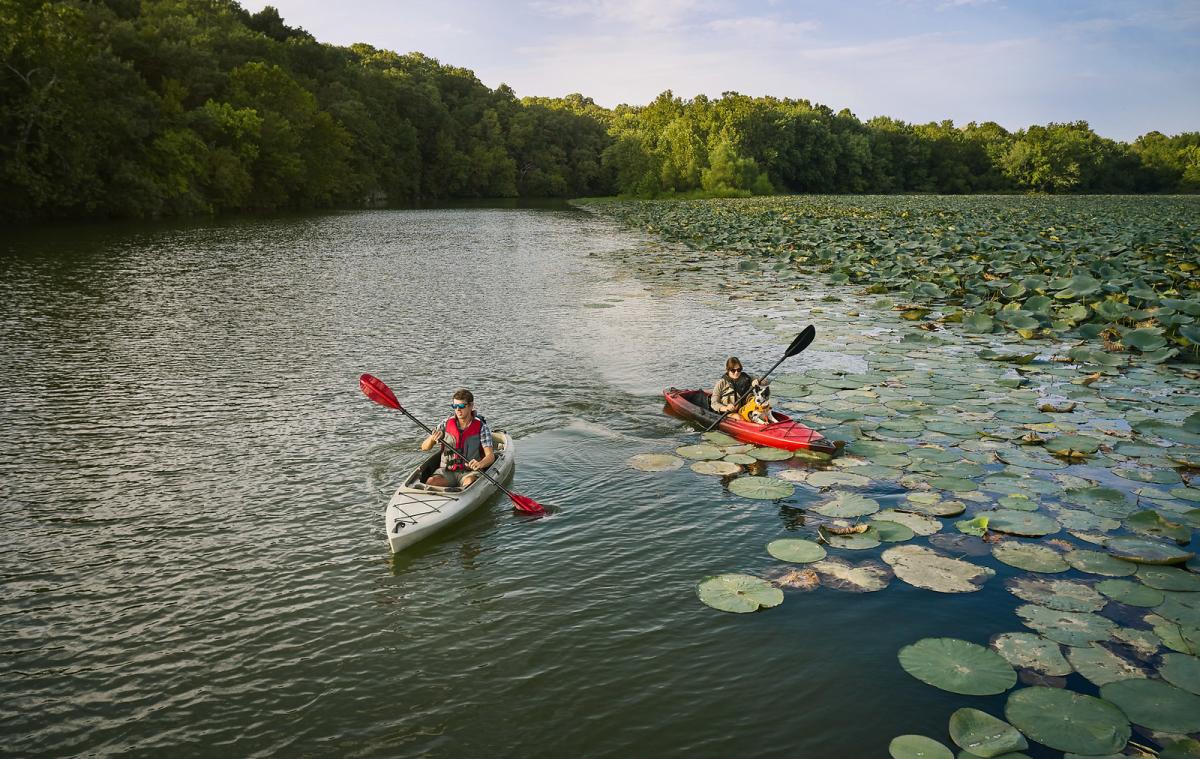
(732, 364)
(463, 394)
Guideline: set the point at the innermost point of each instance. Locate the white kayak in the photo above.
(418, 510)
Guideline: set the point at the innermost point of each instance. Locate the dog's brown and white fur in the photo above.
(757, 408)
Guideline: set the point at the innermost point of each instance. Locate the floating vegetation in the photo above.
(918, 747)
(1155, 704)
(719, 468)
(1068, 721)
(738, 593)
(958, 666)
(926, 568)
(762, 488)
(796, 550)
(980, 734)
(1013, 384)
(655, 462)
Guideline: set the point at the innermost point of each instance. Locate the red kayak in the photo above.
(785, 433)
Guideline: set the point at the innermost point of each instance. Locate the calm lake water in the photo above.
(192, 488)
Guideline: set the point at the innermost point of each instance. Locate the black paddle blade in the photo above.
(802, 341)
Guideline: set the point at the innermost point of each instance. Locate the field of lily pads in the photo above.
(1121, 274)
(1010, 428)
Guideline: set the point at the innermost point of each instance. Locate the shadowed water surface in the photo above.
(192, 488)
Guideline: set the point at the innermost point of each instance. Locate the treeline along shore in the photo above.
(150, 108)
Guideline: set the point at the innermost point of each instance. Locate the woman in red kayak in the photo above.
(733, 388)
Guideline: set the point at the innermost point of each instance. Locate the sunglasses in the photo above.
(735, 371)
(458, 405)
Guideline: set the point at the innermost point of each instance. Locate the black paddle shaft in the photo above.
(802, 341)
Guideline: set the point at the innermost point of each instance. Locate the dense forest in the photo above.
(142, 108)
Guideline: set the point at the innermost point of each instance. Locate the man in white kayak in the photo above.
(468, 434)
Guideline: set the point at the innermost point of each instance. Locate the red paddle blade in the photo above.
(376, 390)
(526, 504)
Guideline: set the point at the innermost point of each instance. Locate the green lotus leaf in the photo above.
(763, 488)
(1155, 704)
(1111, 310)
(1182, 671)
(769, 454)
(847, 505)
(1146, 551)
(1181, 608)
(983, 735)
(1013, 358)
(1030, 651)
(1145, 339)
(979, 324)
(1144, 643)
(1190, 334)
(1102, 666)
(740, 459)
(1104, 501)
(1169, 578)
(918, 747)
(1150, 522)
(1076, 312)
(1067, 627)
(874, 448)
(1073, 446)
(1062, 595)
(1023, 523)
(977, 526)
(703, 452)
(655, 462)
(720, 468)
(918, 523)
(738, 593)
(861, 541)
(926, 568)
(1156, 476)
(796, 550)
(1097, 563)
(1033, 558)
(831, 479)
(1187, 748)
(719, 438)
(957, 666)
(1068, 721)
(1084, 521)
(1130, 593)
(865, 577)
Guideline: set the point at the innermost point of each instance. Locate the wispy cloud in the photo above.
(761, 27)
(636, 14)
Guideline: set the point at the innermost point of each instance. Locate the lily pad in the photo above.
(918, 747)
(1101, 666)
(1169, 578)
(958, 666)
(1155, 704)
(1030, 651)
(738, 593)
(847, 505)
(655, 462)
(1063, 595)
(1068, 721)
(892, 532)
(1156, 476)
(1182, 671)
(740, 459)
(769, 454)
(926, 568)
(864, 577)
(1073, 446)
(1097, 563)
(1030, 557)
(763, 488)
(796, 550)
(1130, 593)
(702, 452)
(1146, 551)
(1024, 523)
(832, 479)
(983, 735)
(721, 468)
(1150, 522)
(719, 438)
(1067, 627)
(918, 523)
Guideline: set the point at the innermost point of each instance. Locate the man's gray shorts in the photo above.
(453, 478)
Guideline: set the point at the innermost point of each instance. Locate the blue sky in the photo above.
(1125, 67)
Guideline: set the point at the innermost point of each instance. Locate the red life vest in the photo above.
(466, 443)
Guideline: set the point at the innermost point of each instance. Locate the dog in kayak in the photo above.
(757, 409)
